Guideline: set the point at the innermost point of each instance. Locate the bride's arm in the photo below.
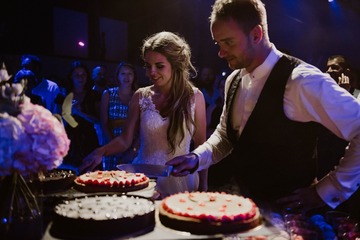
(118, 144)
(124, 141)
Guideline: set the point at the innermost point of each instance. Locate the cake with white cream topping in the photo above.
(103, 216)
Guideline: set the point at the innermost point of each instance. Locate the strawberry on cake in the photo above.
(209, 213)
(111, 181)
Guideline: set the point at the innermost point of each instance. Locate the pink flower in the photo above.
(11, 132)
(42, 143)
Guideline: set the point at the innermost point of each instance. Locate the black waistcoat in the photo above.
(274, 155)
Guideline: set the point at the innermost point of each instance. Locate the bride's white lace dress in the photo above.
(154, 148)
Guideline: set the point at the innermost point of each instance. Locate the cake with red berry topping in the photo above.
(111, 181)
(209, 213)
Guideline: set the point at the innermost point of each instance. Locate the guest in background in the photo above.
(331, 148)
(100, 80)
(46, 89)
(30, 82)
(206, 82)
(213, 111)
(83, 137)
(340, 70)
(168, 114)
(100, 83)
(115, 110)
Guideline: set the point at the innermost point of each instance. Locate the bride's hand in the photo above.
(184, 165)
(91, 161)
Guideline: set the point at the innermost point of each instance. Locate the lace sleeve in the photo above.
(145, 101)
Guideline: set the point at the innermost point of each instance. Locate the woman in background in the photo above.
(114, 111)
(83, 137)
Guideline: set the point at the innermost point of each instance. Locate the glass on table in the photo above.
(334, 218)
(351, 236)
(343, 224)
(298, 233)
(348, 229)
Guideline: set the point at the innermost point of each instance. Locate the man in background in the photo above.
(46, 89)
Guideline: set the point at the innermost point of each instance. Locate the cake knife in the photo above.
(150, 170)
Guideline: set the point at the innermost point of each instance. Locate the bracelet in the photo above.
(197, 164)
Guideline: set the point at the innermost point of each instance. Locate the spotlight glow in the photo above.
(81, 43)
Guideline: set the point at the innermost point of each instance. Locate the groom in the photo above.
(275, 104)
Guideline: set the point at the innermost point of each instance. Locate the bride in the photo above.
(168, 114)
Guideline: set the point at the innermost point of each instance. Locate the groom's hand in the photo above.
(184, 165)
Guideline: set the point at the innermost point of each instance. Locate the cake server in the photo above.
(150, 170)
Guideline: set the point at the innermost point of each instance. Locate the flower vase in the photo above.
(19, 210)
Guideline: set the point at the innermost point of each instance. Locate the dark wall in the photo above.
(25, 26)
(314, 30)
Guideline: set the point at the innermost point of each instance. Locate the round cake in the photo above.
(103, 216)
(53, 181)
(111, 181)
(209, 213)
(57, 180)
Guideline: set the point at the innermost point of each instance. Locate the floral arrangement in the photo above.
(31, 138)
(32, 141)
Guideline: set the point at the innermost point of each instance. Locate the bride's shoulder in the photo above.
(144, 91)
(197, 93)
(195, 89)
(144, 96)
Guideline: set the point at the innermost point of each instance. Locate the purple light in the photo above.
(81, 43)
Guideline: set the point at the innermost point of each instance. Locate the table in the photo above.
(160, 232)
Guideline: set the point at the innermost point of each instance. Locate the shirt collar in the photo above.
(264, 69)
